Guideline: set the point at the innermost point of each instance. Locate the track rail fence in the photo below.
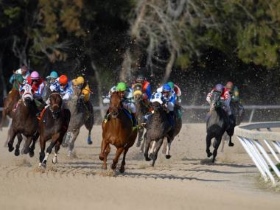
(262, 143)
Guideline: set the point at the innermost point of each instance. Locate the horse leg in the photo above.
(12, 136)
(168, 146)
(57, 147)
(32, 147)
(140, 136)
(216, 146)
(116, 159)
(143, 143)
(42, 152)
(72, 140)
(89, 141)
(146, 150)
(19, 137)
(67, 139)
(48, 152)
(105, 150)
(122, 168)
(208, 144)
(155, 152)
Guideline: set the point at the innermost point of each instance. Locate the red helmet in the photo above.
(63, 80)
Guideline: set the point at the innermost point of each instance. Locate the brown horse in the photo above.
(53, 125)
(11, 99)
(118, 131)
(24, 123)
(142, 108)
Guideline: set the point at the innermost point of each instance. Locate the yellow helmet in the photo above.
(78, 81)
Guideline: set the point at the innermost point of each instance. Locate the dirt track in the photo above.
(183, 182)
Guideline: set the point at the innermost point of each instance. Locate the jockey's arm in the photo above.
(148, 91)
(208, 97)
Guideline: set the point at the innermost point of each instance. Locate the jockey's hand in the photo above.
(52, 88)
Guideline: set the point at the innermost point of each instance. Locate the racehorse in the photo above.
(24, 123)
(117, 130)
(158, 127)
(53, 125)
(82, 114)
(217, 124)
(11, 99)
(142, 108)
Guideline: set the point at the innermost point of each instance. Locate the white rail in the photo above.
(263, 146)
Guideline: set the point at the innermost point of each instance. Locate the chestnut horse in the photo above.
(11, 99)
(118, 131)
(24, 123)
(53, 125)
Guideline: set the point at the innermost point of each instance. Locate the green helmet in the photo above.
(171, 84)
(121, 86)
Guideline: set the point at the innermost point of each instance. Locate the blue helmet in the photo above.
(53, 75)
(166, 88)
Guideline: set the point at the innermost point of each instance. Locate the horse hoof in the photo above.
(31, 153)
(147, 159)
(89, 142)
(122, 170)
(231, 144)
(101, 157)
(11, 148)
(167, 156)
(16, 152)
(64, 145)
(209, 154)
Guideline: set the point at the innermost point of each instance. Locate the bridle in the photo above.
(55, 107)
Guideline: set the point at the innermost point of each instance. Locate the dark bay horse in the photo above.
(11, 99)
(53, 125)
(24, 123)
(158, 127)
(217, 124)
(142, 108)
(82, 114)
(117, 130)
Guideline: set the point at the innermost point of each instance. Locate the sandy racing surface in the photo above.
(186, 181)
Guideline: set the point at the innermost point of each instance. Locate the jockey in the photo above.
(83, 85)
(62, 86)
(225, 98)
(37, 84)
(177, 91)
(126, 94)
(80, 83)
(146, 87)
(23, 70)
(234, 92)
(169, 100)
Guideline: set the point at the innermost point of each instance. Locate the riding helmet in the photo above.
(35, 75)
(166, 88)
(140, 78)
(63, 80)
(219, 87)
(53, 75)
(78, 81)
(171, 84)
(121, 86)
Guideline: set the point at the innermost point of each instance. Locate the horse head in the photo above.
(115, 104)
(55, 104)
(27, 93)
(215, 100)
